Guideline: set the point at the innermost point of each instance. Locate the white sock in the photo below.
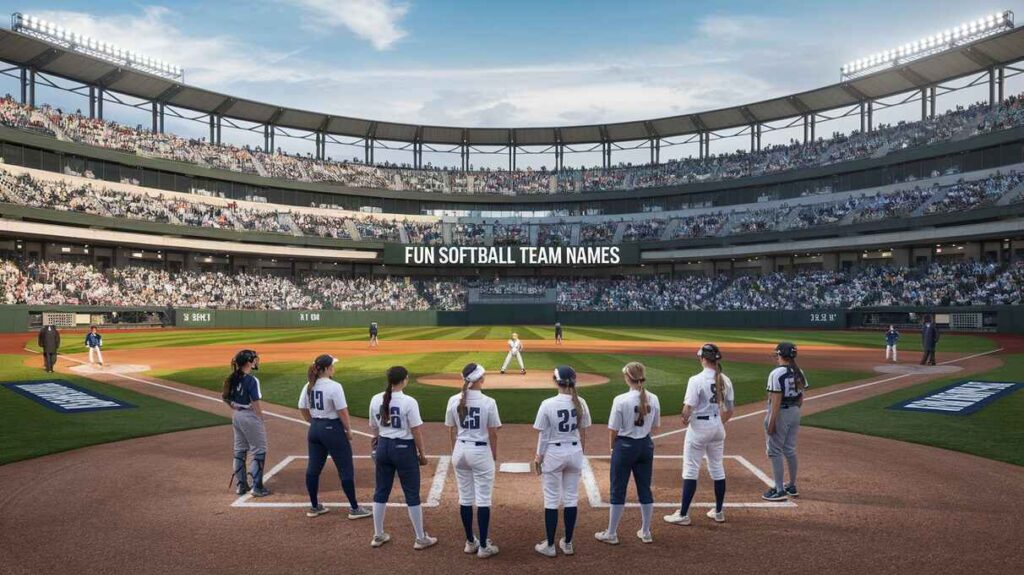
(646, 513)
(614, 516)
(416, 516)
(378, 518)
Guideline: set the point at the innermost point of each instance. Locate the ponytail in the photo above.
(636, 372)
(576, 402)
(799, 381)
(470, 375)
(230, 381)
(719, 385)
(312, 374)
(396, 375)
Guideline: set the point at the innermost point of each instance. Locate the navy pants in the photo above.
(397, 456)
(327, 436)
(634, 456)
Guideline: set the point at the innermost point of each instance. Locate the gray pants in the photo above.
(782, 443)
(250, 435)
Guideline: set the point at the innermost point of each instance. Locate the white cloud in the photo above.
(375, 20)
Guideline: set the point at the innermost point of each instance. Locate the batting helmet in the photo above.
(565, 376)
(786, 350)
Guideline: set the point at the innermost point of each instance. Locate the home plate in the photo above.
(85, 368)
(514, 468)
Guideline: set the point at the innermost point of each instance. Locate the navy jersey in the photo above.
(373, 329)
(244, 392)
(891, 337)
(93, 340)
(782, 380)
(558, 330)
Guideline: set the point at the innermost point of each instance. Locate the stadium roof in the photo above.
(976, 57)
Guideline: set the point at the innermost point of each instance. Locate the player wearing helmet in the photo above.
(786, 385)
(241, 391)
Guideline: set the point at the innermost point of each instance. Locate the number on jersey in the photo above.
(566, 420)
(318, 400)
(472, 419)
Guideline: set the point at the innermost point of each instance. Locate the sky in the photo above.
(505, 63)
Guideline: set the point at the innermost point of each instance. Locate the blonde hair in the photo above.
(636, 372)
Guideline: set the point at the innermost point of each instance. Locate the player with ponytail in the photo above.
(473, 423)
(708, 404)
(395, 421)
(561, 440)
(635, 414)
(786, 385)
(241, 391)
(322, 403)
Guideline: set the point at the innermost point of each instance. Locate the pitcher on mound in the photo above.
(514, 348)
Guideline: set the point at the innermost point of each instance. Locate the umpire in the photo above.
(49, 340)
(929, 337)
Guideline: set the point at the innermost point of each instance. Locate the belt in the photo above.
(476, 443)
(628, 438)
(705, 417)
(567, 443)
(326, 419)
(788, 405)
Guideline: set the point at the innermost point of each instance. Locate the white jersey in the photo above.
(782, 380)
(558, 421)
(515, 345)
(625, 408)
(481, 416)
(328, 399)
(403, 417)
(701, 396)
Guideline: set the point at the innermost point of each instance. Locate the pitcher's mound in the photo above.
(915, 369)
(86, 369)
(536, 379)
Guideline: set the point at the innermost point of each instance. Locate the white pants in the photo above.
(98, 355)
(704, 437)
(890, 350)
(508, 360)
(474, 470)
(560, 475)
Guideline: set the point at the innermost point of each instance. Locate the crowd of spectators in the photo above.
(771, 159)
(373, 294)
(976, 194)
(511, 234)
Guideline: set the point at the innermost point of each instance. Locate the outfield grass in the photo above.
(27, 429)
(996, 431)
(911, 341)
(364, 376)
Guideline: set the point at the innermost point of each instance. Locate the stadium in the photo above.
(434, 247)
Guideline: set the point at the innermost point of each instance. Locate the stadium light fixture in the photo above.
(949, 38)
(54, 34)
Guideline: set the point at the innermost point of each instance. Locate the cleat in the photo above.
(471, 547)
(379, 540)
(677, 518)
(503, 371)
(359, 513)
(605, 537)
(791, 490)
(544, 549)
(489, 550)
(260, 492)
(242, 489)
(522, 372)
(717, 516)
(774, 495)
(645, 537)
(427, 541)
(567, 547)
(317, 511)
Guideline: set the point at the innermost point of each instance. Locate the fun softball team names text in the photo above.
(512, 255)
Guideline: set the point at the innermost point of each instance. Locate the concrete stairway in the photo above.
(620, 229)
(936, 197)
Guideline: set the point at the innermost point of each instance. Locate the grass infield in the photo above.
(996, 431)
(666, 376)
(112, 339)
(29, 430)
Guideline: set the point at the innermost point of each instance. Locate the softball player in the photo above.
(322, 403)
(708, 405)
(94, 341)
(558, 333)
(561, 440)
(786, 385)
(473, 423)
(373, 334)
(891, 338)
(634, 415)
(398, 447)
(241, 392)
(514, 348)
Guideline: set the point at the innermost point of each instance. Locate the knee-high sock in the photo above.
(646, 513)
(614, 516)
(378, 517)
(550, 524)
(791, 461)
(240, 476)
(416, 516)
(689, 489)
(313, 487)
(719, 494)
(778, 472)
(483, 515)
(466, 512)
(570, 522)
(349, 487)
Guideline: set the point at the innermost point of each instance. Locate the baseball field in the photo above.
(157, 472)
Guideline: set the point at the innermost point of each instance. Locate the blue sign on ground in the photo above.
(65, 397)
(961, 398)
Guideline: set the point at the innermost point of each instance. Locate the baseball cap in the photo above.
(324, 361)
(564, 373)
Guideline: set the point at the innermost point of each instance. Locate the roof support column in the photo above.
(931, 102)
(871, 115)
(219, 126)
(163, 114)
(1002, 83)
(807, 125)
(368, 146)
(155, 116)
(814, 123)
(863, 118)
(99, 102)
(992, 88)
(24, 85)
(753, 137)
(758, 137)
(92, 102)
(213, 130)
(700, 145)
(655, 150)
(924, 104)
(32, 88)
(266, 138)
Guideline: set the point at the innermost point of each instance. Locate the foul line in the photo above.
(838, 391)
(433, 498)
(192, 393)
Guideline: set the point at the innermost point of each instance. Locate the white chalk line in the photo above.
(594, 491)
(433, 498)
(838, 391)
(194, 394)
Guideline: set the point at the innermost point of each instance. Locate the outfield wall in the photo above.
(1002, 319)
